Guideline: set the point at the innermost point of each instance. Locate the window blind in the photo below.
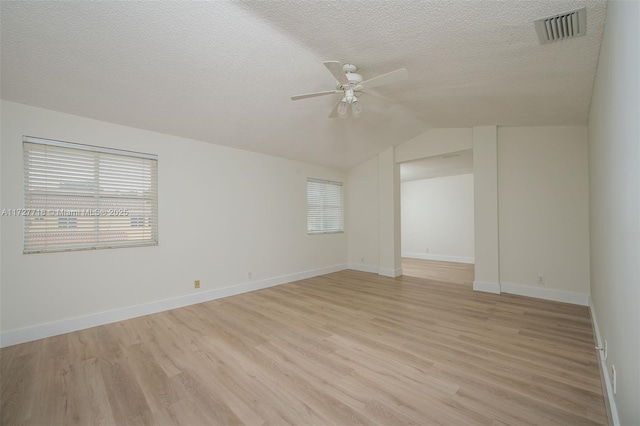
(325, 212)
(79, 197)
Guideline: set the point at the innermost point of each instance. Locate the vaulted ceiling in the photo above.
(223, 72)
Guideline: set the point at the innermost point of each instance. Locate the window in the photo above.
(80, 197)
(324, 206)
(67, 222)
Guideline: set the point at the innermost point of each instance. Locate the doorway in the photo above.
(437, 217)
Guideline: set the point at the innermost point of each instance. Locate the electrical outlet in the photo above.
(541, 279)
(196, 284)
(605, 350)
(426, 250)
(362, 259)
(614, 379)
(250, 275)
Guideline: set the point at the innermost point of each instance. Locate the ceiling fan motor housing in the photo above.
(352, 76)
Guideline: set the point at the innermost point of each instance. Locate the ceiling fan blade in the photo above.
(382, 101)
(388, 78)
(334, 111)
(313, 95)
(379, 96)
(335, 68)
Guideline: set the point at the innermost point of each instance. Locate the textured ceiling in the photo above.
(223, 72)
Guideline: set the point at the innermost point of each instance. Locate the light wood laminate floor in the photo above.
(449, 272)
(344, 348)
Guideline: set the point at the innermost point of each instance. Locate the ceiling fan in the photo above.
(351, 85)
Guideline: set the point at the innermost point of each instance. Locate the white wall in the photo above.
(390, 262)
(362, 216)
(369, 237)
(222, 213)
(437, 215)
(543, 209)
(485, 185)
(1, 223)
(614, 180)
(533, 195)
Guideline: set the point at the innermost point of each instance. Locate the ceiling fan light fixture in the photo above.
(343, 108)
(356, 108)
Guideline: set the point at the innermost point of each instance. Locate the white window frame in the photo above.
(82, 197)
(325, 206)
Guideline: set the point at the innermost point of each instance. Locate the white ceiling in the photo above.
(455, 163)
(223, 72)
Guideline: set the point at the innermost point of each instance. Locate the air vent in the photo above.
(562, 26)
(452, 155)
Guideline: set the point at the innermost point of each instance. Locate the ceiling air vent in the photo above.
(562, 26)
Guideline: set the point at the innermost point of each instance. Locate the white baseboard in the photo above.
(605, 370)
(486, 287)
(546, 293)
(40, 331)
(363, 268)
(391, 273)
(440, 257)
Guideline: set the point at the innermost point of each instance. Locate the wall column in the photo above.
(389, 213)
(485, 182)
